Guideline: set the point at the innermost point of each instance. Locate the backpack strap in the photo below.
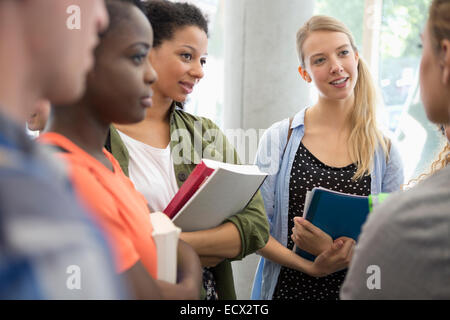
(288, 136)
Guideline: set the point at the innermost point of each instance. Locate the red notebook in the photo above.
(187, 190)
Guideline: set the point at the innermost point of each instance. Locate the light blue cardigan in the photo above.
(385, 177)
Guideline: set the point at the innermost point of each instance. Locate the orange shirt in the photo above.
(120, 210)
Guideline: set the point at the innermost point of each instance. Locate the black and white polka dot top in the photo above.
(308, 172)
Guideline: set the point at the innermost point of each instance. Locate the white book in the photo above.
(225, 192)
(166, 235)
(308, 198)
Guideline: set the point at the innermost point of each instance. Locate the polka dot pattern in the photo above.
(308, 172)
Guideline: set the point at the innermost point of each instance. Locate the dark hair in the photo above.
(117, 12)
(167, 17)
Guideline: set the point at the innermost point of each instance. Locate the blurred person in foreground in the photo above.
(49, 249)
(118, 89)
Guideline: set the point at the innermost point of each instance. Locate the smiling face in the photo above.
(119, 86)
(331, 63)
(179, 63)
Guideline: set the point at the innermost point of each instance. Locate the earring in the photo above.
(304, 74)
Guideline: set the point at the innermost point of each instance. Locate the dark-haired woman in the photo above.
(160, 152)
(118, 90)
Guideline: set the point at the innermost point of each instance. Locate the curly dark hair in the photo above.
(167, 17)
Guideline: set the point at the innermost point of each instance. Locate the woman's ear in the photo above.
(445, 47)
(304, 74)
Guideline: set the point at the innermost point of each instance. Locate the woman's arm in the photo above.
(223, 241)
(141, 284)
(188, 284)
(335, 258)
(189, 276)
(281, 255)
(393, 175)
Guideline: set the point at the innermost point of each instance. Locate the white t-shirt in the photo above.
(152, 172)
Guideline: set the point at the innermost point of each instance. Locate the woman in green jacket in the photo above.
(160, 152)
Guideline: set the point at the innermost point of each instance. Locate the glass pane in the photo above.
(400, 52)
(350, 12)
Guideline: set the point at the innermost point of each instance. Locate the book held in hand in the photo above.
(213, 192)
(166, 235)
(337, 214)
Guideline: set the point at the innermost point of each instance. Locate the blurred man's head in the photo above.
(50, 47)
(61, 36)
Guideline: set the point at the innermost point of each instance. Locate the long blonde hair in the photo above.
(364, 136)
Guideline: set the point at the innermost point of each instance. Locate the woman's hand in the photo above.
(189, 274)
(310, 238)
(334, 259)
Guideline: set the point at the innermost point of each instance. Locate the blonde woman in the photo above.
(334, 144)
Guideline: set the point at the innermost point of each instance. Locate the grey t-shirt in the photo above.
(404, 248)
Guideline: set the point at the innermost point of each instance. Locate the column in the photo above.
(262, 84)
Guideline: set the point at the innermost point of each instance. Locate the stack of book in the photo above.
(213, 192)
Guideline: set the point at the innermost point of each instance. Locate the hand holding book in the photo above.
(337, 257)
(310, 238)
(334, 213)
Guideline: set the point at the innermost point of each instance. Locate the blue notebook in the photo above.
(338, 214)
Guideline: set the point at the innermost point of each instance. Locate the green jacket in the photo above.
(194, 138)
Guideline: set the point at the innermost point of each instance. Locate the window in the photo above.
(397, 64)
(400, 52)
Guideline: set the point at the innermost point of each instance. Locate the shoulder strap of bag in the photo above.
(289, 135)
